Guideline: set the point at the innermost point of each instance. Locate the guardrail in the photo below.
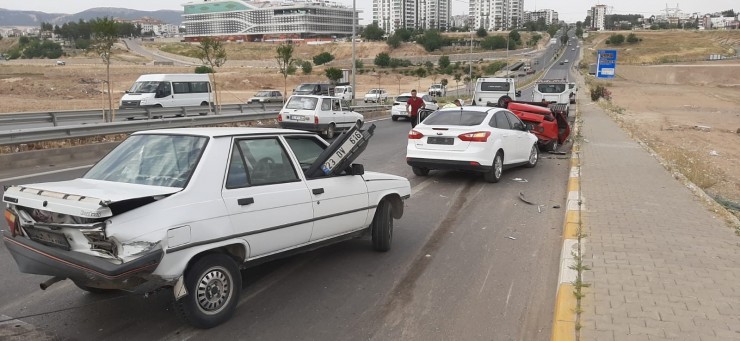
(19, 136)
(57, 118)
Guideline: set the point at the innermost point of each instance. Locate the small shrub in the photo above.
(203, 69)
(600, 91)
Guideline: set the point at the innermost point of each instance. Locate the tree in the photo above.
(394, 41)
(515, 38)
(615, 39)
(728, 13)
(373, 32)
(429, 65)
(457, 79)
(212, 53)
(481, 32)
(322, 58)
(104, 36)
(334, 74)
(564, 39)
(306, 67)
(285, 62)
(431, 40)
(493, 43)
(553, 29)
(382, 59)
(444, 62)
(632, 38)
(444, 82)
(579, 32)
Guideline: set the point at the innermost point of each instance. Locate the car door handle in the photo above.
(317, 191)
(245, 201)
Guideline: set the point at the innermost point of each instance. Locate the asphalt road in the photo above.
(469, 261)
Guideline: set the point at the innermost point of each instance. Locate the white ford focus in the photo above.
(471, 138)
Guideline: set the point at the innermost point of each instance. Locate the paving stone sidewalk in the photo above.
(663, 266)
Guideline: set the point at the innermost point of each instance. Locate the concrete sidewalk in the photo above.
(663, 266)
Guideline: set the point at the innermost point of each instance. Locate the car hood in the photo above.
(81, 197)
(375, 176)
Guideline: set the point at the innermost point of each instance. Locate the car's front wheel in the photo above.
(330, 131)
(420, 171)
(534, 156)
(214, 284)
(382, 228)
(494, 175)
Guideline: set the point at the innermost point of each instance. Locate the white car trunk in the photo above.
(443, 138)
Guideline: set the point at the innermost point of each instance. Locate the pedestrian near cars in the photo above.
(412, 108)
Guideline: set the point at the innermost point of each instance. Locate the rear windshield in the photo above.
(550, 88)
(305, 103)
(402, 99)
(494, 86)
(306, 87)
(455, 118)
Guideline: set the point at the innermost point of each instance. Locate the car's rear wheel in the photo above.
(214, 284)
(394, 117)
(330, 131)
(420, 171)
(359, 123)
(494, 175)
(382, 228)
(553, 145)
(534, 156)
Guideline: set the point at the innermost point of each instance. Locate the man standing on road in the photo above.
(412, 107)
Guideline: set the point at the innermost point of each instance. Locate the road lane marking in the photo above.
(46, 173)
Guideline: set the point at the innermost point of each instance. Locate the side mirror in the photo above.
(356, 169)
(519, 93)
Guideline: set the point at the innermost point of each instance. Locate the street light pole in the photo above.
(354, 31)
(471, 57)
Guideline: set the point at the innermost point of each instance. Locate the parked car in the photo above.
(437, 90)
(376, 96)
(474, 138)
(188, 208)
(323, 114)
(267, 96)
(398, 109)
(550, 126)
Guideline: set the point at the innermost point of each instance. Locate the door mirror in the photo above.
(519, 93)
(356, 169)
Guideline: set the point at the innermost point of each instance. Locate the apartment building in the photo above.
(598, 17)
(425, 14)
(495, 15)
(550, 16)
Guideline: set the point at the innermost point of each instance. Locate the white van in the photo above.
(169, 90)
(343, 92)
(489, 89)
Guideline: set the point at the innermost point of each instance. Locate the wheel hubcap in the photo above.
(214, 290)
(498, 167)
(533, 155)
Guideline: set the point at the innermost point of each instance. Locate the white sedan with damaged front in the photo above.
(187, 208)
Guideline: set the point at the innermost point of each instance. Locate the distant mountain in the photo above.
(34, 18)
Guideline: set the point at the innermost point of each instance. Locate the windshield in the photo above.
(302, 103)
(263, 94)
(374, 91)
(156, 160)
(144, 87)
(305, 87)
(455, 118)
(494, 86)
(550, 88)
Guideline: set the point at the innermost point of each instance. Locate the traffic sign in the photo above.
(606, 63)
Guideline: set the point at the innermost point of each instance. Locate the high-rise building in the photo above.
(550, 16)
(495, 15)
(598, 17)
(425, 14)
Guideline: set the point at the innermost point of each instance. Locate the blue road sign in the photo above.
(606, 63)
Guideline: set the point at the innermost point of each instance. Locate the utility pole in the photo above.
(471, 56)
(354, 62)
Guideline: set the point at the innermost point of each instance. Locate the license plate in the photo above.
(298, 118)
(49, 238)
(441, 140)
(346, 147)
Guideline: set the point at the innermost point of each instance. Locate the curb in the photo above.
(565, 319)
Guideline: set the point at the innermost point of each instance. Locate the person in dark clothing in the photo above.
(412, 107)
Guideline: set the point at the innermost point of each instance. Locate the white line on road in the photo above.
(46, 173)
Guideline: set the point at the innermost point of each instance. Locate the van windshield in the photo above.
(144, 87)
(302, 103)
(494, 86)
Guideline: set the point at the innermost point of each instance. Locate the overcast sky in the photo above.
(570, 10)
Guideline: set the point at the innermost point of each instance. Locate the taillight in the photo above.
(479, 136)
(280, 117)
(415, 135)
(316, 120)
(10, 218)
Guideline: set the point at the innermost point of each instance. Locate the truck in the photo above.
(554, 91)
(437, 90)
(494, 90)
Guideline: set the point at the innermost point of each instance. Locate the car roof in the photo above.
(314, 96)
(220, 131)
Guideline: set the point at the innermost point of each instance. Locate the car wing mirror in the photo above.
(519, 93)
(356, 169)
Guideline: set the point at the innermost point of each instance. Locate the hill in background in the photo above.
(35, 18)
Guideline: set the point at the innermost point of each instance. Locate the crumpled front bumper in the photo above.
(36, 258)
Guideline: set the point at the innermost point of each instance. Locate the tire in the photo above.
(494, 175)
(330, 131)
(534, 156)
(420, 171)
(382, 228)
(359, 123)
(214, 284)
(552, 145)
(394, 118)
(96, 291)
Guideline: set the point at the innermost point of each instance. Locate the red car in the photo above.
(550, 126)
